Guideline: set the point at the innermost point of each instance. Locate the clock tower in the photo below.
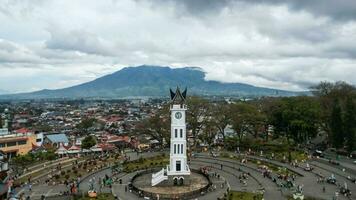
(177, 172)
(178, 165)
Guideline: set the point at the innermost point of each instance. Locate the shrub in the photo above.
(141, 160)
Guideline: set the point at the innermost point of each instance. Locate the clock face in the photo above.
(178, 115)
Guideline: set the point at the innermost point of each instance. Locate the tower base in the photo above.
(177, 180)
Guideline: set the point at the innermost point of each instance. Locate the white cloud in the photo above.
(54, 44)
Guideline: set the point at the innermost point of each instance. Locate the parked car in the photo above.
(331, 179)
(318, 153)
(342, 152)
(334, 162)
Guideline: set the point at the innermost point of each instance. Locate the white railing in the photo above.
(160, 173)
(187, 168)
(158, 177)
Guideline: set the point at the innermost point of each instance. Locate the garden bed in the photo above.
(145, 163)
(236, 195)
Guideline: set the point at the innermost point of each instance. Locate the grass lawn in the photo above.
(296, 155)
(235, 195)
(143, 163)
(275, 168)
(100, 197)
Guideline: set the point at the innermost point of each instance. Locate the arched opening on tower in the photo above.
(181, 181)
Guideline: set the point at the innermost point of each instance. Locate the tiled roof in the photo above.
(22, 130)
(74, 147)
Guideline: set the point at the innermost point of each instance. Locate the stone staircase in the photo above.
(158, 177)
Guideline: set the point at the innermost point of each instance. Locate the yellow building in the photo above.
(17, 143)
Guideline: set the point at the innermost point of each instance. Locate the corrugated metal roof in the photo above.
(61, 137)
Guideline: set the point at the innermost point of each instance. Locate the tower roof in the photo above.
(178, 97)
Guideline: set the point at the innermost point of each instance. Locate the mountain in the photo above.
(151, 81)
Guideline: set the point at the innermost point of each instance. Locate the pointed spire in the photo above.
(172, 93)
(185, 93)
(178, 97)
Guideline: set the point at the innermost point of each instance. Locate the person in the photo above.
(324, 188)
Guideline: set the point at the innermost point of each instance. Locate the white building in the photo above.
(39, 139)
(178, 170)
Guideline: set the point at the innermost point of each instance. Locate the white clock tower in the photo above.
(178, 164)
(177, 171)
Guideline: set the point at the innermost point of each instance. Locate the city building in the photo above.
(54, 140)
(19, 142)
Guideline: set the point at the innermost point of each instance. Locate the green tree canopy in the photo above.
(196, 114)
(296, 118)
(88, 142)
(86, 123)
(157, 126)
(350, 124)
(246, 118)
(221, 116)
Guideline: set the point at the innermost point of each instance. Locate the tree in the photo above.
(157, 126)
(196, 114)
(85, 124)
(88, 142)
(246, 118)
(327, 93)
(242, 116)
(336, 125)
(221, 117)
(209, 132)
(296, 118)
(350, 124)
(256, 119)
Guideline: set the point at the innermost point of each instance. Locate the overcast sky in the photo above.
(272, 43)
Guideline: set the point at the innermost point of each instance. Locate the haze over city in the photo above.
(288, 45)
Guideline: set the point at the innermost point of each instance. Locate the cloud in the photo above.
(338, 10)
(11, 52)
(271, 43)
(79, 40)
